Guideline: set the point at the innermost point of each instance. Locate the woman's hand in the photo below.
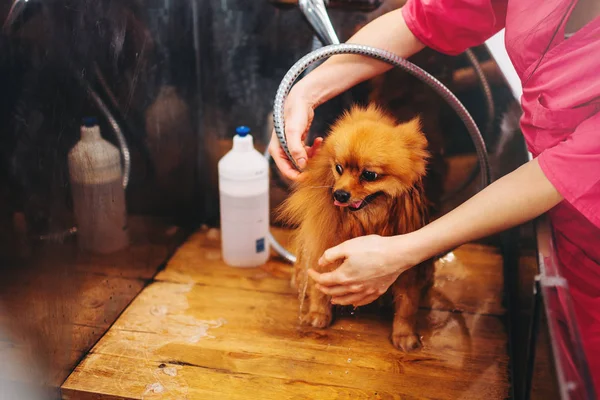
(371, 264)
(298, 116)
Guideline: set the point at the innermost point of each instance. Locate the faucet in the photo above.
(349, 5)
(315, 12)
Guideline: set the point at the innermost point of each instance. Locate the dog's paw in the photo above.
(317, 319)
(406, 343)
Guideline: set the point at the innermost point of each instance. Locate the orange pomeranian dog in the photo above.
(367, 178)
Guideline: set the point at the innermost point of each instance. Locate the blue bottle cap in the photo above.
(89, 122)
(242, 131)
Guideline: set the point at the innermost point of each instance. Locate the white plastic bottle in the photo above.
(244, 200)
(98, 195)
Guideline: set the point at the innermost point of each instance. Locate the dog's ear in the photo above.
(412, 135)
(414, 124)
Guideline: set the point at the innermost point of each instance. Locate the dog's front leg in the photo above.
(407, 295)
(319, 308)
(319, 313)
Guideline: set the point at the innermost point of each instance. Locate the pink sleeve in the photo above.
(573, 167)
(452, 26)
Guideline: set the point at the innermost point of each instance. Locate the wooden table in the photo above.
(59, 301)
(203, 330)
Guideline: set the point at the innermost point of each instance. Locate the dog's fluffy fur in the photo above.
(363, 139)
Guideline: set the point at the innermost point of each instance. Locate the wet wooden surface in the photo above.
(59, 302)
(203, 330)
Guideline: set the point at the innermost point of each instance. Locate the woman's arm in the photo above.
(341, 72)
(372, 263)
(519, 197)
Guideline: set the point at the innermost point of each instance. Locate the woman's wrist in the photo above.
(321, 85)
(492, 210)
(405, 251)
(344, 71)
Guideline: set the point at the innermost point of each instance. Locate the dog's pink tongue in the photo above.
(356, 204)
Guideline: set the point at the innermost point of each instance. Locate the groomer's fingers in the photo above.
(367, 300)
(296, 129)
(341, 290)
(356, 299)
(335, 278)
(332, 255)
(284, 165)
(312, 151)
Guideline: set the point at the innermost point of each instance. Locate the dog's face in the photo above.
(369, 156)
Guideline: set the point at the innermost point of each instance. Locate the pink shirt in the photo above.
(560, 123)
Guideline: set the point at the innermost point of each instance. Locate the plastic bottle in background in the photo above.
(244, 201)
(98, 194)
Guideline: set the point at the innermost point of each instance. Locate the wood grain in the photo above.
(204, 330)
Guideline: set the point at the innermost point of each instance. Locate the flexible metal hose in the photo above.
(315, 12)
(487, 130)
(487, 92)
(392, 59)
(116, 128)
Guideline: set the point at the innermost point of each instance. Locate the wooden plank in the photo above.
(142, 379)
(355, 353)
(199, 260)
(101, 299)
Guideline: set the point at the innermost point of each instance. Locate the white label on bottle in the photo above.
(244, 176)
(244, 223)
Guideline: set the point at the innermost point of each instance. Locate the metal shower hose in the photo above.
(288, 81)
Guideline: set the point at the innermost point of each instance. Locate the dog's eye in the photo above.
(369, 176)
(339, 169)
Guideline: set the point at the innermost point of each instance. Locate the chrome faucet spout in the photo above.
(315, 11)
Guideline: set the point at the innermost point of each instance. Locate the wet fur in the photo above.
(363, 138)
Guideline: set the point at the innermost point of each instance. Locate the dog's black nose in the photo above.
(341, 195)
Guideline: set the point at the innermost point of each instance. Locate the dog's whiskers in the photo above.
(368, 200)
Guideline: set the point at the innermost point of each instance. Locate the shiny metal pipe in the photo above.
(315, 12)
(346, 5)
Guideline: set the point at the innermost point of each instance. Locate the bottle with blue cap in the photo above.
(244, 203)
(96, 178)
